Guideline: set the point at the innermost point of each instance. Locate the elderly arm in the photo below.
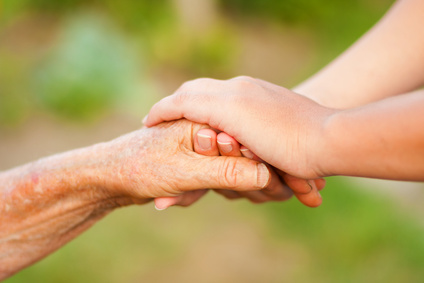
(45, 204)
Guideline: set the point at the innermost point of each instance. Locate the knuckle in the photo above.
(194, 90)
(229, 174)
(244, 78)
(187, 85)
(243, 84)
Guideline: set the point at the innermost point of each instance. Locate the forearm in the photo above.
(386, 61)
(380, 140)
(45, 204)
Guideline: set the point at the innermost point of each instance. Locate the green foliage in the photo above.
(357, 236)
(14, 97)
(212, 55)
(13, 109)
(89, 69)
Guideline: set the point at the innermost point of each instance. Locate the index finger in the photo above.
(195, 101)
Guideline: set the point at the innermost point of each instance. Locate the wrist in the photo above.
(330, 155)
(125, 167)
(103, 169)
(322, 148)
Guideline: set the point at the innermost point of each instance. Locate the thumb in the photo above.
(232, 173)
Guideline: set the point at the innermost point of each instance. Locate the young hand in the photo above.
(283, 128)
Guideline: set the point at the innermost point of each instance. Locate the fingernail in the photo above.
(263, 176)
(225, 147)
(319, 195)
(310, 185)
(160, 209)
(315, 190)
(247, 153)
(144, 119)
(205, 141)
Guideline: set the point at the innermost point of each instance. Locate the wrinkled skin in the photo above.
(47, 203)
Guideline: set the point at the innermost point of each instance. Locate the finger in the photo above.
(227, 145)
(305, 191)
(247, 153)
(277, 190)
(312, 199)
(191, 197)
(165, 202)
(205, 142)
(299, 186)
(228, 194)
(185, 199)
(320, 183)
(255, 196)
(162, 111)
(224, 172)
(191, 101)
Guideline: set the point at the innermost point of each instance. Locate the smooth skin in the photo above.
(362, 115)
(47, 203)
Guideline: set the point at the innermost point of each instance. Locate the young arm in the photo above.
(45, 204)
(386, 61)
(380, 140)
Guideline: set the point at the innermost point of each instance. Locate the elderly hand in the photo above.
(160, 161)
(47, 203)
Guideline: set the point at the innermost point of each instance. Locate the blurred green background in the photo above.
(78, 72)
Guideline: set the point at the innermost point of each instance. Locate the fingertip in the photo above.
(205, 142)
(226, 138)
(312, 199)
(164, 110)
(264, 176)
(299, 186)
(227, 145)
(276, 190)
(320, 183)
(246, 152)
(165, 202)
(144, 120)
(147, 122)
(159, 209)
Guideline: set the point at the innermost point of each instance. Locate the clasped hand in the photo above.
(274, 125)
